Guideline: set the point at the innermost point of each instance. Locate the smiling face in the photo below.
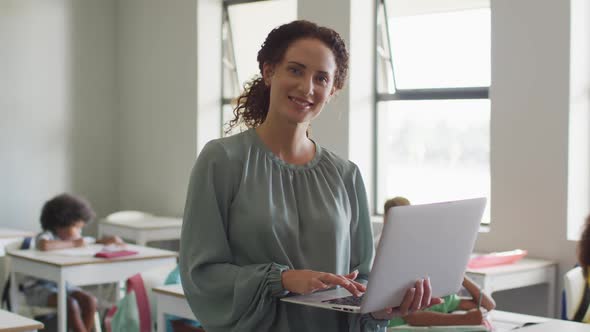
(302, 82)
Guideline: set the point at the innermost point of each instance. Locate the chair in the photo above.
(574, 288)
(122, 217)
(35, 311)
(142, 307)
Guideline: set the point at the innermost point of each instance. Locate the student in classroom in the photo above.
(62, 220)
(441, 314)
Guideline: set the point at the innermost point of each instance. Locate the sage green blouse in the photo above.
(249, 216)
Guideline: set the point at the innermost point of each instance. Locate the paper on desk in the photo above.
(86, 251)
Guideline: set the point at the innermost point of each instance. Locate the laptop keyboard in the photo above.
(349, 300)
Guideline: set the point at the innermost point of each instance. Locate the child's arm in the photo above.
(44, 244)
(486, 301)
(110, 240)
(431, 318)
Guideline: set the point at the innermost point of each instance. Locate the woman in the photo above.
(270, 212)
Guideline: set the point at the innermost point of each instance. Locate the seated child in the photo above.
(440, 314)
(175, 323)
(62, 220)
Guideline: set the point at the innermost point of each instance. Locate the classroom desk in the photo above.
(504, 321)
(10, 322)
(170, 300)
(526, 272)
(144, 230)
(81, 270)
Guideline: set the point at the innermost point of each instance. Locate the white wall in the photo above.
(529, 137)
(530, 100)
(345, 124)
(157, 80)
(57, 102)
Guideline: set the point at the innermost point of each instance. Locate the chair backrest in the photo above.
(143, 304)
(574, 284)
(125, 216)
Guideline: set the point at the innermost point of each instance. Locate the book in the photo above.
(496, 258)
(113, 254)
(113, 251)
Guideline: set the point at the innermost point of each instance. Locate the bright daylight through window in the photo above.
(242, 38)
(433, 111)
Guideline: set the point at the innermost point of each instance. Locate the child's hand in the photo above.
(474, 317)
(112, 240)
(79, 242)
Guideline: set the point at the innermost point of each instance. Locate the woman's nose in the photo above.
(306, 86)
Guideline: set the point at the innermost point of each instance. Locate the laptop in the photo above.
(418, 241)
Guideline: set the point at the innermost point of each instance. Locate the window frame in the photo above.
(477, 92)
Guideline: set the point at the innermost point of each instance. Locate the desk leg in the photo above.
(141, 240)
(551, 289)
(62, 310)
(13, 292)
(161, 327)
(119, 292)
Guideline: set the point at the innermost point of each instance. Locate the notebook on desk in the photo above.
(407, 252)
(113, 251)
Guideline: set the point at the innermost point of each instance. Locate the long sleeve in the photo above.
(222, 295)
(362, 247)
(361, 234)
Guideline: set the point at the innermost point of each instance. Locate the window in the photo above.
(433, 111)
(242, 38)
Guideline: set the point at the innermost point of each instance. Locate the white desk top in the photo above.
(522, 265)
(557, 326)
(9, 233)
(506, 316)
(172, 290)
(10, 322)
(85, 255)
(147, 223)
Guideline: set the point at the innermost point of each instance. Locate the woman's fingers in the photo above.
(352, 275)
(407, 302)
(417, 301)
(316, 284)
(340, 281)
(427, 297)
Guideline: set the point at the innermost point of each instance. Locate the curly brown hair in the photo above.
(584, 247)
(252, 104)
(65, 210)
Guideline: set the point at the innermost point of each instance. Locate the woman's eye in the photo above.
(323, 79)
(294, 70)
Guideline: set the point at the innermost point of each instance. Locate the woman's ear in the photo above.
(332, 93)
(268, 71)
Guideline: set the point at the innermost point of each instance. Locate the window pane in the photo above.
(441, 50)
(433, 150)
(250, 23)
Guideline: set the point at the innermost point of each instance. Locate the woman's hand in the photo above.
(416, 298)
(308, 281)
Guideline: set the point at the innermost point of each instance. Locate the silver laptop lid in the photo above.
(418, 241)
